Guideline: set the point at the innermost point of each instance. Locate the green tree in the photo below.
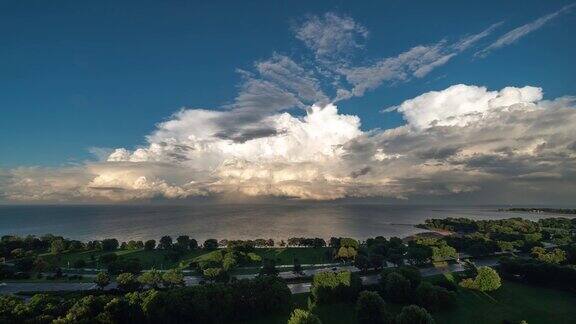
(165, 242)
(173, 278)
(102, 280)
(371, 308)
(152, 278)
(150, 245)
(57, 246)
(300, 316)
(127, 282)
(434, 297)
(396, 288)
(487, 279)
(183, 242)
(211, 244)
(414, 315)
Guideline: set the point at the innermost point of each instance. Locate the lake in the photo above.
(233, 221)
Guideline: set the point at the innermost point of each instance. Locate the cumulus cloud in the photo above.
(461, 104)
(463, 140)
(515, 34)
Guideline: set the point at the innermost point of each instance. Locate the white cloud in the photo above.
(461, 104)
(463, 140)
(515, 34)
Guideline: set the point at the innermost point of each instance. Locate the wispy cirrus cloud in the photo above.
(515, 34)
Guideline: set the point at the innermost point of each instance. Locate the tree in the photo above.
(330, 287)
(173, 278)
(487, 279)
(343, 253)
(183, 242)
(376, 261)
(193, 244)
(434, 297)
(418, 254)
(300, 316)
(102, 280)
(150, 245)
(109, 244)
(414, 315)
(165, 243)
(57, 246)
(269, 268)
(362, 262)
(396, 288)
(229, 261)
(555, 256)
(370, 308)
(297, 268)
(211, 244)
(151, 278)
(127, 282)
(215, 274)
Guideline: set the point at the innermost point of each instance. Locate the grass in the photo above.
(513, 302)
(157, 259)
(285, 256)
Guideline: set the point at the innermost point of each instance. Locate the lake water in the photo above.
(233, 221)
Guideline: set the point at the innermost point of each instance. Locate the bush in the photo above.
(414, 315)
(300, 316)
(370, 308)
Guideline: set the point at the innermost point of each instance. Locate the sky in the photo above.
(322, 100)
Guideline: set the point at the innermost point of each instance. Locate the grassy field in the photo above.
(513, 302)
(160, 259)
(304, 255)
(150, 259)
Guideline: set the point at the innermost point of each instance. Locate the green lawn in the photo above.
(513, 302)
(149, 259)
(158, 258)
(287, 255)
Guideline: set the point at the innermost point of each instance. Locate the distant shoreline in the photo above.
(560, 211)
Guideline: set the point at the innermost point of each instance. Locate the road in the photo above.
(295, 288)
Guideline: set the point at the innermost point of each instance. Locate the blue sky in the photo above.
(76, 75)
